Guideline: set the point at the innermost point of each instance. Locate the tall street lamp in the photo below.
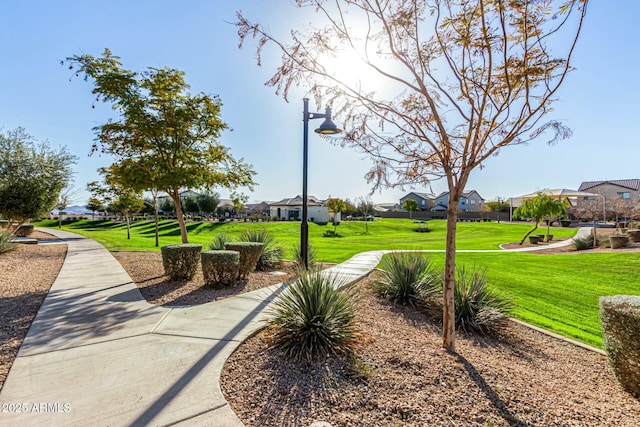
(326, 128)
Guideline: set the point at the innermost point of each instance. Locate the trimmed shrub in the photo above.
(406, 278)
(24, 230)
(478, 309)
(220, 267)
(583, 244)
(217, 244)
(180, 261)
(6, 245)
(620, 318)
(311, 256)
(314, 318)
(249, 255)
(271, 250)
(565, 222)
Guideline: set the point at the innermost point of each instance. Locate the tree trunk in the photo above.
(530, 231)
(126, 216)
(175, 196)
(449, 314)
(155, 216)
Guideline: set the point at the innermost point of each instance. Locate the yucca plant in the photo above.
(271, 250)
(406, 278)
(217, 244)
(314, 317)
(478, 308)
(311, 256)
(583, 244)
(6, 245)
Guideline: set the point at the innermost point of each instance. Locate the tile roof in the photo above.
(633, 184)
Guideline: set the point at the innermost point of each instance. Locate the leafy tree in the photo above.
(161, 125)
(149, 206)
(540, 207)
(208, 202)
(592, 209)
(411, 206)
(335, 205)
(349, 207)
(32, 176)
(455, 82)
(167, 205)
(117, 197)
(191, 205)
(94, 205)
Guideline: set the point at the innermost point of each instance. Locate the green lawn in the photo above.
(559, 292)
(383, 234)
(556, 292)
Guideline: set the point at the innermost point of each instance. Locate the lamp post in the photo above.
(326, 128)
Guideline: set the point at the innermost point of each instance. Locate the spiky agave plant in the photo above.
(311, 256)
(314, 317)
(406, 278)
(6, 245)
(217, 244)
(271, 250)
(478, 308)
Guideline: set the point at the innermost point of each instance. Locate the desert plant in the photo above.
(583, 243)
(217, 244)
(620, 319)
(220, 267)
(180, 261)
(406, 278)
(311, 256)
(314, 317)
(6, 245)
(249, 255)
(271, 250)
(478, 308)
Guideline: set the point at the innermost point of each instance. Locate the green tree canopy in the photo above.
(538, 208)
(32, 175)
(411, 206)
(208, 202)
(164, 138)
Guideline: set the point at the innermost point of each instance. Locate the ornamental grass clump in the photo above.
(311, 256)
(406, 278)
(583, 244)
(478, 309)
(220, 268)
(314, 318)
(249, 255)
(6, 245)
(620, 319)
(217, 244)
(271, 250)
(180, 262)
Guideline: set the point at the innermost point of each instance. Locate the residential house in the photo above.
(262, 208)
(470, 201)
(614, 197)
(424, 200)
(291, 209)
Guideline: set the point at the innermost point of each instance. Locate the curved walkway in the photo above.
(98, 354)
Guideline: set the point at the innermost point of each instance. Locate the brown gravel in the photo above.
(145, 268)
(403, 377)
(26, 275)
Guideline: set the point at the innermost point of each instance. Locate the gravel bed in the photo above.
(27, 274)
(402, 377)
(145, 269)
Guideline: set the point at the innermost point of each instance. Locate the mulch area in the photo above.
(402, 377)
(27, 275)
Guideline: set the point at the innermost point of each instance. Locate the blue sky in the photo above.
(599, 101)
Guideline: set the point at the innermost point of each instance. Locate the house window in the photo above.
(624, 195)
(422, 202)
(589, 197)
(463, 201)
(473, 202)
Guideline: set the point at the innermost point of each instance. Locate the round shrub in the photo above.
(314, 317)
(620, 318)
(180, 261)
(220, 267)
(249, 255)
(24, 230)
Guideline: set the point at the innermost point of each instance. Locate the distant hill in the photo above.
(73, 210)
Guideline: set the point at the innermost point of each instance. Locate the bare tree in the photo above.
(66, 197)
(466, 77)
(591, 209)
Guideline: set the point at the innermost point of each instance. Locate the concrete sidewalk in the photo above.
(98, 354)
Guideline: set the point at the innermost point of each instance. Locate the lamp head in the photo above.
(328, 127)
